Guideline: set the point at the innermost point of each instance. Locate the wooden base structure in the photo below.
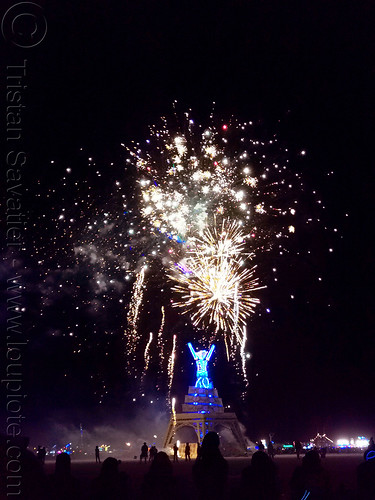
(203, 411)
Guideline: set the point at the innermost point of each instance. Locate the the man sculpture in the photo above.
(202, 358)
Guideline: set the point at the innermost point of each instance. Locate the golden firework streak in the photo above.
(147, 356)
(171, 366)
(160, 336)
(133, 317)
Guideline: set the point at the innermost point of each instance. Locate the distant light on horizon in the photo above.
(342, 442)
(361, 442)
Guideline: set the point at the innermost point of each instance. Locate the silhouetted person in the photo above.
(298, 448)
(62, 484)
(97, 454)
(198, 449)
(310, 480)
(21, 472)
(270, 450)
(144, 452)
(187, 452)
(371, 447)
(366, 477)
(111, 483)
(39, 453)
(260, 446)
(159, 482)
(152, 453)
(259, 480)
(210, 471)
(175, 453)
(43, 454)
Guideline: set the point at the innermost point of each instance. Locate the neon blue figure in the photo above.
(202, 358)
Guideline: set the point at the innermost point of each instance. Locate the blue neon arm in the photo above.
(210, 352)
(192, 351)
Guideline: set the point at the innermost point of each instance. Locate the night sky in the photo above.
(106, 71)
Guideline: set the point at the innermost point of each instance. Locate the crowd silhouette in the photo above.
(159, 482)
(259, 480)
(162, 481)
(62, 484)
(366, 474)
(210, 470)
(311, 479)
(111, 483)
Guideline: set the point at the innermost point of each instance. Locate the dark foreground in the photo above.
(342, 470)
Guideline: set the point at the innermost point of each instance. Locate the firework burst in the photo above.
(214, 285)
(189, 178)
